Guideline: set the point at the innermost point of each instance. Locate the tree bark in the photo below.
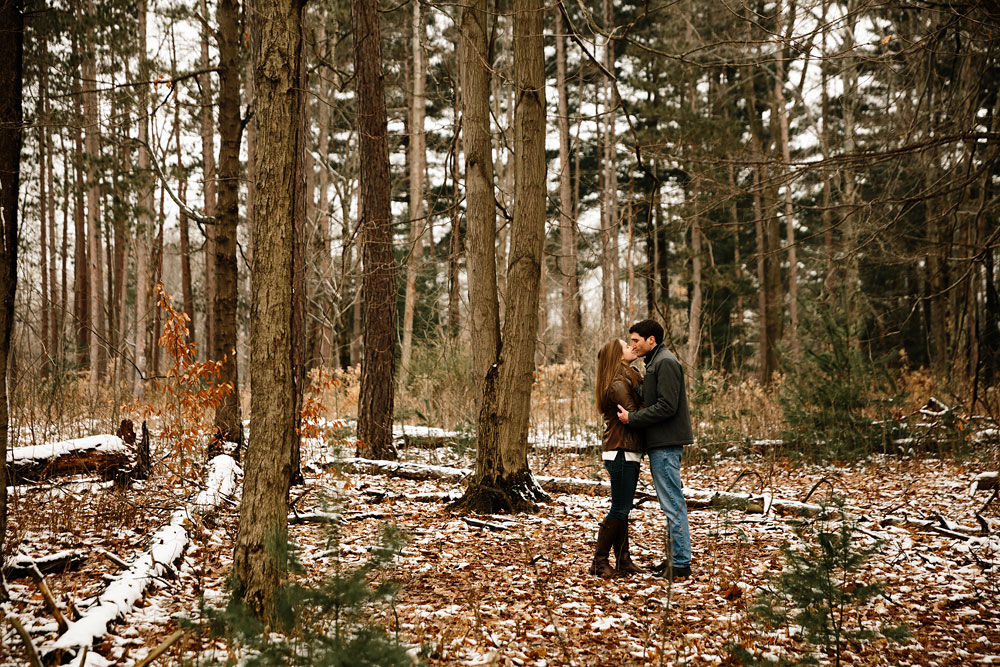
(208, 184)
(571, 319)
(480, 209)
(144, 222)
(503, 481)
(259, 560)
(417, 156)
(43, 244)
(11, 117)
(228, 421)
(322, 351)
(300, 289)
(375, 402)
(455, 247)
(779, 102)
(81, 276)
(92, 136)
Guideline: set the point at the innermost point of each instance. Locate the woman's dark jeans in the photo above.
(624, 478)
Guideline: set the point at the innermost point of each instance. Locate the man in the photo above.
(666, 424)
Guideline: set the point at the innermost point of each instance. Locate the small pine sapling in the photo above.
(820, 590)
(320, 623)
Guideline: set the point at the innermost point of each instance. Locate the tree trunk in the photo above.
(43, 245)
(480, 240)
(144, 222)
(571, 320)
(779, 102)
(208, 185)
(849, 76)
(228, 421)
(694, 314)
(300, 291)
(93, 150)
(11, 117)
(375, 402)
(182, 220)
(259, 560)
(455, 247)
(503, 481)
(53, 301)
(767, 363)
(81, 276)
(322, 352)
(417, 155)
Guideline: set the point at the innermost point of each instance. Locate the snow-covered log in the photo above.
(95, 454)
(22, 565)
(166, 547)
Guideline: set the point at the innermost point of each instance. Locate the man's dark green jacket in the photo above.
(665, 420)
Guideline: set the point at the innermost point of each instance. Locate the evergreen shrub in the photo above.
(838, 403)
(821, 594)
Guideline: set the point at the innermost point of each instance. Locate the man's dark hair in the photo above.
(647, 328)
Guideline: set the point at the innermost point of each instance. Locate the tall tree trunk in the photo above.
(182, 220)
(208, 184)
(767, 363)
(417, 155)
(43, 245)
(259, 559)
(480, 240)
(694, 313)
(58, 304)
(571, 323)
(228, 421)
(11, 117)
(81, 275)
(849, 77)
(611, 169)
(300, 290)
(144, 222)
(50, 207)
(779, 103)
(503, 481)
(375, 402)
(455, 247)
(98, 318)
(322, 352)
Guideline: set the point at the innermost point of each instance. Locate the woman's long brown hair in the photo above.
(609, 358)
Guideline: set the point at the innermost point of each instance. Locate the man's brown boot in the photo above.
(623, 563)
(605, 540)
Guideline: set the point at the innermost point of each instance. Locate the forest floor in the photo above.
(517, 592)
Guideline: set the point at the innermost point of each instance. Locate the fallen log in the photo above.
(166, 548)
(61, 561)
(96, 454)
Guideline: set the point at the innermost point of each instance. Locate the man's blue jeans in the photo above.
(665, 467)
(624, 478)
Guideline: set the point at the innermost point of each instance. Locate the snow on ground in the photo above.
(521, 596)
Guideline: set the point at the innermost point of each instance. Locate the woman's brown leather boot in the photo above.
(605, 540)
(623, 563)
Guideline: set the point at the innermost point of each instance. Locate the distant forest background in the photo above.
(775, 182)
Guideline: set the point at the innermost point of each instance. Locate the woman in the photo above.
(617, 383)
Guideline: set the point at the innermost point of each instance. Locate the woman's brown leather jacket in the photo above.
(624, 390)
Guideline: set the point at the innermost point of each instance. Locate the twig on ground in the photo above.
(483, 524)
(160, 649)
(50, 599)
